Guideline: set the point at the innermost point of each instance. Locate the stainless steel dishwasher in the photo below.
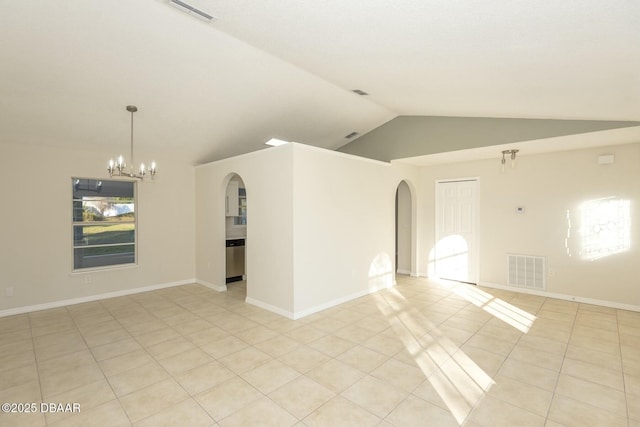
(235, 260)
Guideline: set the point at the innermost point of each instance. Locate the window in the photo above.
(104, 223)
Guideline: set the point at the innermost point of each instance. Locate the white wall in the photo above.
(320, 225)
(267, 175)
(36, 250)
(344, 233)
(553, 189)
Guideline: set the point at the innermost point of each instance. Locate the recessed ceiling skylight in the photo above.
(275, 142)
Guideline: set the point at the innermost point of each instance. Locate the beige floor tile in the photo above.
(17, 360)
(125, 362)
(207, 336)
(141, 328)
(540, 343)
(593, 373)
(57, 344)
(399, 374)
(134, 379)
(523, 395)
(270, 376)
(537, 357)
(117, 348)
(14, 323)
(335, 375)
(375, 396)
(255, 335)
(572, 413)
(226, 398)
(17, 376)
(301, 396)
(14, 419)
(170, 347)
(487, 361)
(224, 346)
(340, 412)
(186, 413)
(328, 324)
(606, 360)
(277, 346)
(27, 392)
(185, 361)
(606, 398)
(245, 360)
(545, 379)
(305, 334)
(262, 412)
(377, 334)
(492, 344)
(385, 345)
(332, 345)
(88, 397)
(632, 386)
(362, 358)
(153, 399)
(492, 412)
(204, 377)
(153, 338)
(304, 358)
(354, 333)
(61, 381)
(414, 412)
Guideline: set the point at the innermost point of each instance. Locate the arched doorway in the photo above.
(404, 229)
(235, 205)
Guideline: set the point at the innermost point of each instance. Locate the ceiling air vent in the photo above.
(193, 11)
(359, 92)
(352, 135)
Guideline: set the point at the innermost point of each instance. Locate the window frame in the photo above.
(75, 224)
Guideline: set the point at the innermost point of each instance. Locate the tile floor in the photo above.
(423, 353)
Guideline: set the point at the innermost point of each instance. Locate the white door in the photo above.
(456, 249)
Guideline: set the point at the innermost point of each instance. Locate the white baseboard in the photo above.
(219, 288)
(338, 301)
(583, 300)
(271, 308)
(90, 298)
(405, 272)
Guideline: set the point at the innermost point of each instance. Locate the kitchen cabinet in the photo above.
(231, 201)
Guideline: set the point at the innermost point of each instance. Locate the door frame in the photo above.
(475, 261)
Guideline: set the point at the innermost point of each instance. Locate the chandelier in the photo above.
(118, 167)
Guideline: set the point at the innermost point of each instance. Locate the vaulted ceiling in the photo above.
(287, 68)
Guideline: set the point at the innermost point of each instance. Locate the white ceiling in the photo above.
(285, 68)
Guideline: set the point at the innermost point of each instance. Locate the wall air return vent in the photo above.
(526, 271)
(193, 11)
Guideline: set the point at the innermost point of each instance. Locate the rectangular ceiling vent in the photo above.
(352, 135)
(526, 271)
(193, 11)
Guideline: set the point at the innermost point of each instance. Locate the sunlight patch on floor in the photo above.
(508, 313)
(457, 379)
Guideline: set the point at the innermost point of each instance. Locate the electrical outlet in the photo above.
(8, 292)
(551, 272)
(87, 279)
